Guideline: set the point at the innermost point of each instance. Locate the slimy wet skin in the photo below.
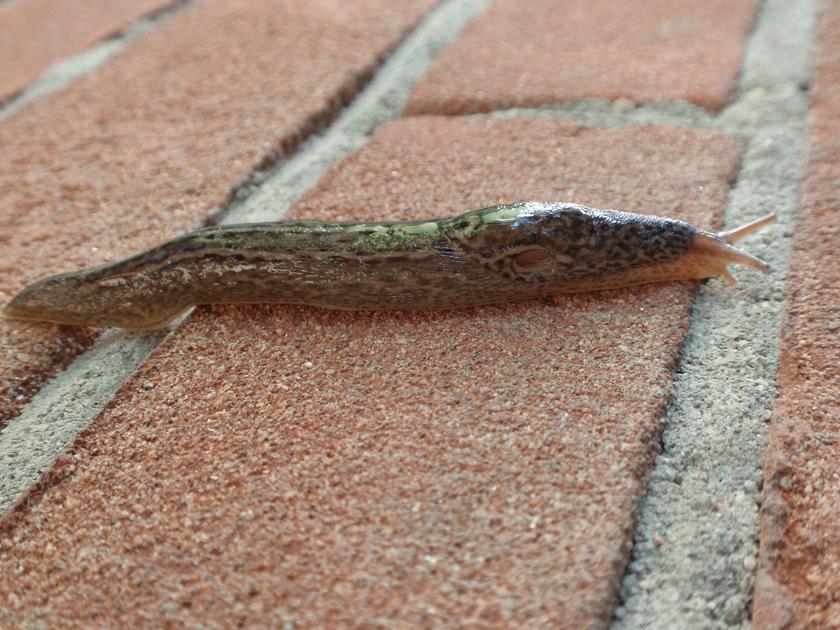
(499, 254)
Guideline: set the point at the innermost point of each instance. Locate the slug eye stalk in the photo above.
(733, 236)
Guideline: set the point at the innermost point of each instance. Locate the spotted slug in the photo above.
(499, 254)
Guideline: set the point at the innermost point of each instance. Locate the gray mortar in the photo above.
(64, 72)
(597, 112)
(695, 546)
(63, 407)
(67, 403)
(269, 194)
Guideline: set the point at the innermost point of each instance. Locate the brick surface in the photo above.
(34, 34)
(148, 145)
(798, 582)
(337, 469)
(552, 52)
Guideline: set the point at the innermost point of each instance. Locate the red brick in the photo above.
(798, 582)
(34, 34)
(343, 469)
(552, 52)
(151, 143)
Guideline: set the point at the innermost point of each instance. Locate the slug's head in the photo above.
(571, 248)
(88, 298)
(713, 252)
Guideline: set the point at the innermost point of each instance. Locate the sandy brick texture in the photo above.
(543, 52)
(34, 34)
(284, 464)
(798, 581)
(150, 144)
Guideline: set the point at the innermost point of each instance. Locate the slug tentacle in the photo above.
(732, 236)
(498, 254)
(714, 245)
(716, 250)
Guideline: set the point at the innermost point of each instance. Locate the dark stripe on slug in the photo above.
(164, 254)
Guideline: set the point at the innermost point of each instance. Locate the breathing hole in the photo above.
(533, 260)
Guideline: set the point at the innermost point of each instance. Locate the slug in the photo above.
(498, 254)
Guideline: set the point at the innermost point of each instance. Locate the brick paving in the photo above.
(386, 467)
(549, 53)
(798, 583)
(158, 141)
(476, 468)
(34, 34)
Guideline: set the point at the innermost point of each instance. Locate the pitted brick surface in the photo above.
(34, 34)
(798, 582)
(549, 52)
(335, 469)
(148, 145)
